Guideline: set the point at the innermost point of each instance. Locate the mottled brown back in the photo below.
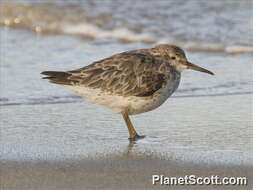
(134, 73)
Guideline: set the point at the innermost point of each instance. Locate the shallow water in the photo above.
(208, 120)
(38, 53)
(220, 26)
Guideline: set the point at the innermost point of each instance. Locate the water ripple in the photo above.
(74, 99)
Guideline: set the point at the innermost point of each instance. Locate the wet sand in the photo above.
(69, 150)
(120, 172)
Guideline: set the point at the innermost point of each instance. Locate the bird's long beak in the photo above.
(198, 68)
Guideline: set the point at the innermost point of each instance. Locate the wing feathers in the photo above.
(125, 74)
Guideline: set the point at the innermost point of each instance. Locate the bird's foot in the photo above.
(136, 137)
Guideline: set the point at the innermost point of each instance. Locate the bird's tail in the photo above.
(57, 77)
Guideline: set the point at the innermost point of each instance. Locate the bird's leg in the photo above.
(132, 132)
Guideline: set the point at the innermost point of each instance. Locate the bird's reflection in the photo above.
(130, 149)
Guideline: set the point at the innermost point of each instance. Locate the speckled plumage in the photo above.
(138, 73)
(131, 82)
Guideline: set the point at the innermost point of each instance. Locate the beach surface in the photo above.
(64, 150)
(116, 172)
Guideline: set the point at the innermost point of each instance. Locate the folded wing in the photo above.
(125, 74)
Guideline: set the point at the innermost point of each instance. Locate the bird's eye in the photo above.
(173, 57)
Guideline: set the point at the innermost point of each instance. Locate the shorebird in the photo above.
(131, 82)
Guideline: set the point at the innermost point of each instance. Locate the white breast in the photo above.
(142, 105)
(134, 104)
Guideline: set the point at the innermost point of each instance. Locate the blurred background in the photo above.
(207, 121)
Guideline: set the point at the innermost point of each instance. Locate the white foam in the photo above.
(93, 31)
(209, 47)
(239, 49)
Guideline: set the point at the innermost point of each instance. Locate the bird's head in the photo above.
(175, 56)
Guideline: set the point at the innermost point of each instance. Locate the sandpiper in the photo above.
(131, 82)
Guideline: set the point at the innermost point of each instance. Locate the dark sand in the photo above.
(126, 172)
